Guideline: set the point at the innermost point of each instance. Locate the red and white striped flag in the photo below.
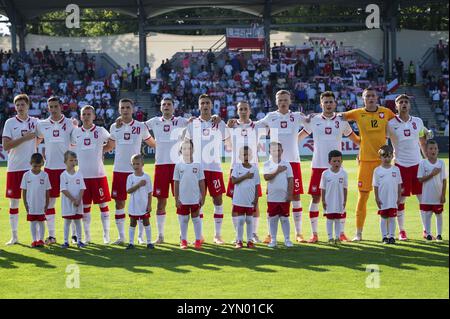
(392, 86)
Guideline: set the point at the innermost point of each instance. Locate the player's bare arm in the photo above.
(434, 172)
(176, 193)
(202, 191)
(134, 188)
(271, 176)
(255, 200)
(24, 197)
(324, 203)
(149, 202)
(355, 138)
(237, 180)
(302, 135)
(444, 191)
(377, 198)
(290, 197)
(109, 146)
(9, 143)
(150, 142)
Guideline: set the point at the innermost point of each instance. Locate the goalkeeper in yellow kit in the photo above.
(372, 121)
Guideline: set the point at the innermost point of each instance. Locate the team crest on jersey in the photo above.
(126, 136)
(194, 170)
(341, 180)
(166, 128)
(87, 141)
(244, 132)
(55, 133)
(205, 132)
(328, 130)
(394, 174)
(41, 181)
(283, 124)
(407, 132)
(23, 132)
(381, 115)
(77, 182)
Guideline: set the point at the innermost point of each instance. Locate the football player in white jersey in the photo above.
(327, 130)
(167, 131)
(91, 142)
(19, 140)
(408, 136)
(127, 140)
(245, 132)
(55, 131)
(207, 137)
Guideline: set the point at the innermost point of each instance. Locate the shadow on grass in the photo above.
(9, 260)
(319, 257)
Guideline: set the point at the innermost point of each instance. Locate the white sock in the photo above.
(14, 222)
(401, 220)
(273, 223)
(297, 216)
(105, 224)
(240, 228)
(184, 222)
(438, 224)
(33, 229)
(41, 230)
(255, 225)
(120, 224)
(140, 229)
(160, 221)
(428, 216)
(67, 223)
(286, 227)
(77, 223)
(249, 222)
(392, 226)
(235, 220)
(87, 226)
(314, 208)
(383, 227)
(423, 217)
(74, 231)
(218, 218)
(148, 233)
(337, 228)
(330, 228)
(131, 232)
(197, 227)
(342, 228)
(51, 225)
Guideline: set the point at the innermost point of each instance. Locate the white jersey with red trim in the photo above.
(167, 134)
(284, 129)
(387, 181)
(334, 185)
(189, 175)
(405, 137)
(56, 137)
(36, 186)
(128, 138)
(207, 138)
(244, 192)
(277, 188)
(73, 184)
(137, 205)
(89, 148)
(19, 156)
(327, 134)
(246, 134)
(431, 189)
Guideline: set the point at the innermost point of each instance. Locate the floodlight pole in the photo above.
(267, 17)
(142, 40)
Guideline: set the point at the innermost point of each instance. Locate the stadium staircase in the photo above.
(141, 99)
(421, 104)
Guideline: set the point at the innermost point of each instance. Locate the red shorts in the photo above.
(437, 209)
(391, 212)
(119, 186)
(54, 176)
(97, 191)
(76, 216)
(140, 217)
(163, 179)
(214, 183)
(281, 209)
(13, 181)
(298, 185)
(335, 215)
(243, 210)
(410, 185)
(36, 218)
(314, 182)
(188, 209)
(230, 188)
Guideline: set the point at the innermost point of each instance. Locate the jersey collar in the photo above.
(129, 124)
(22, 121)
(365, 109)
(59, 121)
(327, 118)
(171, 119)
(401, 121)
(90, 130)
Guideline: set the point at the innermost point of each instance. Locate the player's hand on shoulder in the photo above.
(309, 117)
(231, 123)
(118, 122)
(74, 122)
(216, 119)
(191, 119)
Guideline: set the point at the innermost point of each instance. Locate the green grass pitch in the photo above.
(413, 269)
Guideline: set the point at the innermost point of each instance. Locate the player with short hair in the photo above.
(245, 132)
(91, 142)
(55, 131)
(280, 183)
(207, 137)
(72, 189)
(327, 130)
(36, 187)
(19, 140)
(408, 136)
(432, 175)
(127, 136)
(139, 186)
(334, 185)
(167, 131)
(246, 181)
(372, 121)
(189, 192)
(387, 183)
